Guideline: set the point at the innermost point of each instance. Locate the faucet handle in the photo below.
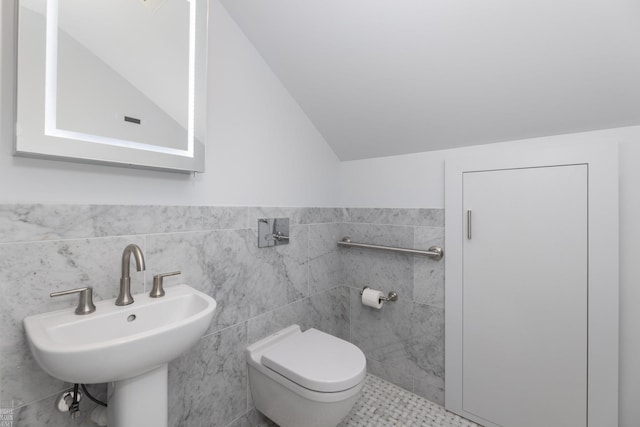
(158, 290)
(85, 303)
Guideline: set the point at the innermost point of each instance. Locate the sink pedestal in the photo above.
(134, 342)
(139, 401)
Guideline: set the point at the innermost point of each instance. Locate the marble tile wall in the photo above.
(312, 282)
(403, 341)
(47, 248)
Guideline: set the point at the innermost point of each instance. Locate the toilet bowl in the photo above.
(305, 379)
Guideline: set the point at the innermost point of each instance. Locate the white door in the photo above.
(525, 289)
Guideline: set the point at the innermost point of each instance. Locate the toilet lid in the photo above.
(317, 361)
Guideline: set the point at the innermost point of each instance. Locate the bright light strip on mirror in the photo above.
(192, 77)
(51, 68)
(51, 84)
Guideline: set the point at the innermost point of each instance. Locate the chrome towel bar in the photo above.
(433, 252)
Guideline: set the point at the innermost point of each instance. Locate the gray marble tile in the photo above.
(296, 313)
(227, 264)
(42, 413)
(214, 262)
(426, 340)
(208, 383)
(321, 215)
(395, 374)
(381, 333)
(325, 261)
(263, 290)
(429, 386)
(253, 418)
(117, 220)
(296, 215)
(327, 232)
(257, 212)
(332, 307)
(168, 219)
(380, 270)
(401, 333)
(36, 222)
(281, 268)
(28, 273)
(342, 312)
(250, 405)
(428, 273)
(379, 234)
(223, 218)
(326, 311)
(397, 216)
(268, 323)
(184, 252)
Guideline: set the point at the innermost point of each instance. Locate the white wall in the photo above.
(376, 182)
(417, 180)
(263, 150)
(261, 147)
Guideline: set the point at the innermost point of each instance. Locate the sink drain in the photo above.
(131, 318)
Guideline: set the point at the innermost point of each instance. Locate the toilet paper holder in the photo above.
(393, 296)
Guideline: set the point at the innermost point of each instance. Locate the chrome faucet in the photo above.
(125, 297)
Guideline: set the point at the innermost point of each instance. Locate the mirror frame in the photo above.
(49, 142)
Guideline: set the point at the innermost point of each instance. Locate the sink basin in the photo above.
(119, 342)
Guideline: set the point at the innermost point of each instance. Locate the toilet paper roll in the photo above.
(371, 298)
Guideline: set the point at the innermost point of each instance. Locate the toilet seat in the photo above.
(308, 379)
(317, 361)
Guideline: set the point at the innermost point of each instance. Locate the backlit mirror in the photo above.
(113, 81)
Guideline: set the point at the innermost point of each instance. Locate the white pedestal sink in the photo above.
(126, 346)
(133, 402)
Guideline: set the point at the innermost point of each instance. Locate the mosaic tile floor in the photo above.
(383, 404)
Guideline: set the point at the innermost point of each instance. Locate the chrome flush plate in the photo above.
(273, 232)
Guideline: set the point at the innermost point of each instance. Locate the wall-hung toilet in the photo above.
(305, 379)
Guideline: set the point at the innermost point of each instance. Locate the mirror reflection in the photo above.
(139, 71)
(111, 72)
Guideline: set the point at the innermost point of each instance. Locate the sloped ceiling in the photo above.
(386, 77)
